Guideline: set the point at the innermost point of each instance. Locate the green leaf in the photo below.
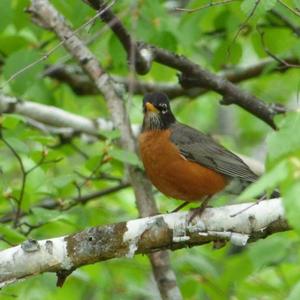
(11, 43)
(15, 63)
(43, 139)
(42, 215)
(297, 4)
(262, 257)
(11, 121)
(268, 4)
(291, 191)
(165, 39)
(5, 13)
(124, 156)
(233, 271)
(279, 40)
(222, 57)
(10, 234)
(63, 180)
(248, 7)
(20, 19)
(117, 52)
(295, 292)
(93, 162)
(286, 140)
(268, 181)
(18, 145)
(111, 134)
(189, 31)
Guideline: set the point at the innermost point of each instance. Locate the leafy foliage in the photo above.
(59, 170)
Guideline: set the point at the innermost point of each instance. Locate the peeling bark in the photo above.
(143, 236)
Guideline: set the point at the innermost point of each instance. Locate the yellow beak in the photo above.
(151, 107)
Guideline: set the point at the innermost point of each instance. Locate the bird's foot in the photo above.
(178, 208)
(199, 210)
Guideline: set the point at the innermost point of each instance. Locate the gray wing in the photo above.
(202, 149)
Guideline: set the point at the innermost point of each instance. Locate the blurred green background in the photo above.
(212, 37)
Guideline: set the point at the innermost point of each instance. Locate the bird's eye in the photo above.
(163, 108)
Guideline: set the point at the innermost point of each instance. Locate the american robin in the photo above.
(184, 163)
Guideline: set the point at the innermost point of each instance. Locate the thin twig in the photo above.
(208, 5)
(53, 204)
(30, 227)
(98, 194)
(248, 207)
(282, 63)
(94, 37)
(78, 150)
(24, 174)
(295, 12)
(3, 239)
(102, 161)
(101, 176)
(241, 27)
(23, 180)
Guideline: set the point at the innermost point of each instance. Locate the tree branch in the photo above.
(51, 115)
(55, 120)
(82, 85)
(139, 58)
(194, 75)
(142, 236)
(46, 13)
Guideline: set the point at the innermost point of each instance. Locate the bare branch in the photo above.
(142, 236)
(139, 59)
(52, 116)
(82, 85)
(54, 120)
(194, 75)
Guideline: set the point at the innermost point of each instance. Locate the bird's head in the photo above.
(157, 112)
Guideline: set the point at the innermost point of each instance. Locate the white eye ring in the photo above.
(164, 108)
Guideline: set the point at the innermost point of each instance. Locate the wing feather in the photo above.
(202, 149)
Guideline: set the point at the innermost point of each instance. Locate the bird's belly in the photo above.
(172, 174)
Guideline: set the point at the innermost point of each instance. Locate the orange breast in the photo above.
(174, 175)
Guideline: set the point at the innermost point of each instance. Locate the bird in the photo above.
(184, 163)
